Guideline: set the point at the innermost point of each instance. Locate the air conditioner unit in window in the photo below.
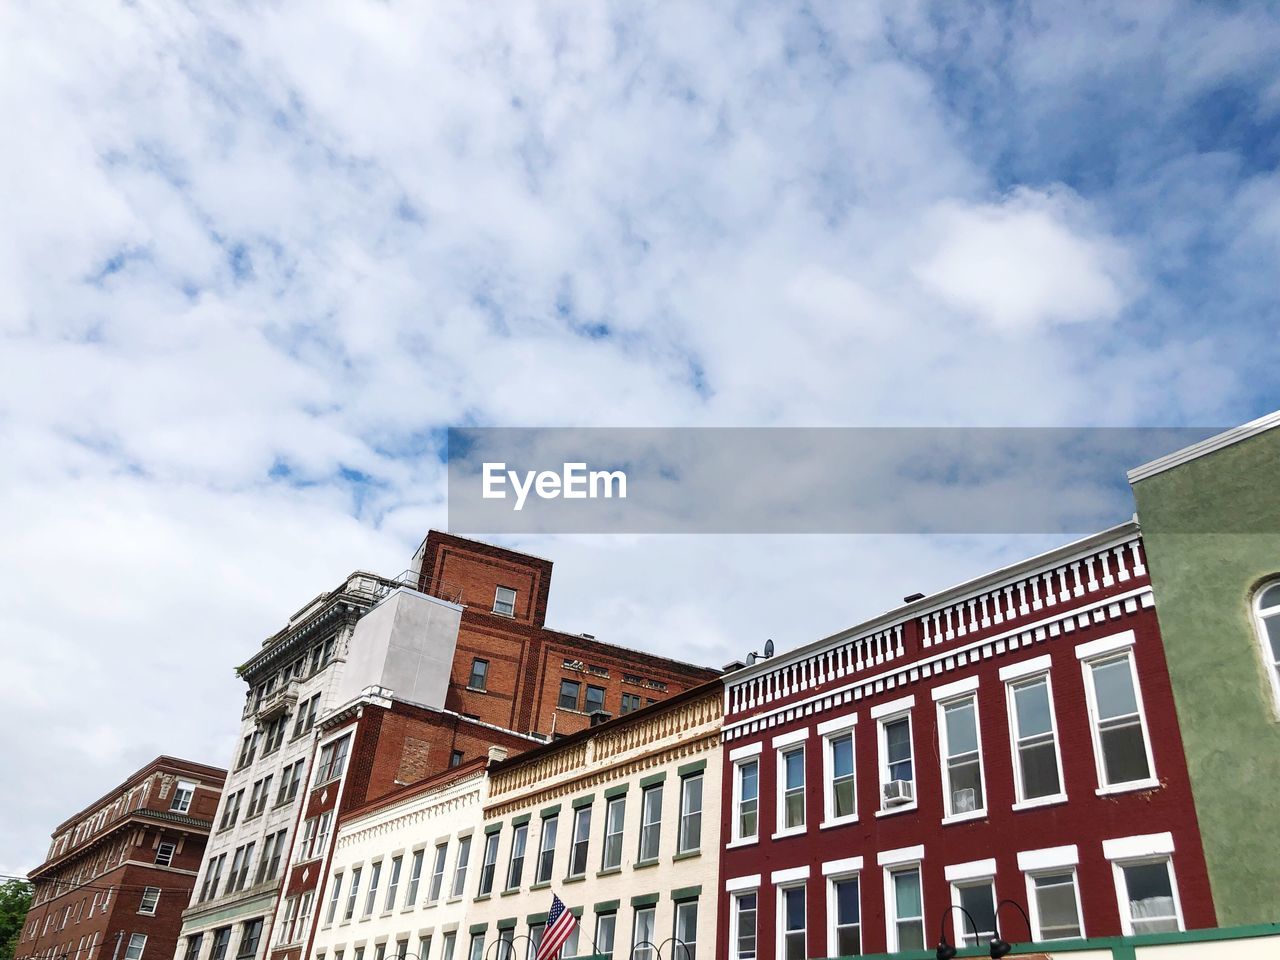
(897, 792)
(964, 800)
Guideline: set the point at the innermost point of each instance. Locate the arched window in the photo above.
(1266, 608)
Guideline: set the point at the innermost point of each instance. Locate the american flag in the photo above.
(560, 924)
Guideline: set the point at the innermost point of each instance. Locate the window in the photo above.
(650, 822)
(979, 899)
(333, 760)
(150, 899)
(506, 938)
(306, 716)
(181, 803)
(791, 929)
(290, 780)
(275, 734)
(193, 946)
(164, 854)
(906, 910)
(450, 940)
(249, 939)
(352, 894)
(844, 917)
(231, 810)
(614, 814)
(686, 931)
(897, 764)
(137, 943)
(334, 897)
(258, 797)
(415, 877)
(536, 930)
(746, 789)
(221, 939)
(424, 947)
(840, 781)
(477, 947)
(272, 851)
(744, 926)
(285, 934)
(1267, 615)
(212, 877)
(630, 702)
(379, 951)
(689, 836)
(515, 869)
(247, 749)
(238, 878)
(962, 756)
(375, 874)
(504, 601)
(642, 934)
(402, 949)
(606, 929)
(437, 873)
(460, 869)
(570, 948)
(791, 787)
(595, 699)
(547, 850)
(393, 884)
(1037, 766)
(455, 758)
(569, 690)
(1148, 897)
(581, 840)
(488, 865)
(1119, 731)
(479, 678)
(1054, 899)
(321, 841)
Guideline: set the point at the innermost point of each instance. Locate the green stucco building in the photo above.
(1210, 517)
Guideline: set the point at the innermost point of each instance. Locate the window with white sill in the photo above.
(1120, 739)
(962, 781)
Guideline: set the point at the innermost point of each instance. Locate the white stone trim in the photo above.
(954, 688)
(749, 750)
(1132, 848)
(971, 870)
(1025, 668)
(891, 858)
(790, 875)
(1093, 648)
(847, 865)
(787, 739)
(1047, 858)
(848, 721)
(738, 884)
(900, 705)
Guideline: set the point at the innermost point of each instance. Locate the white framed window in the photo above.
(415, 878)
(334, 896)
(547, 849)
(904, 908)
(437, 872)
(1054, 900)
(164, 854)
(650, 823)
(375, 874)
(150, 900)
(791, 789)
(1121, 743)
(1033, 732)
(181, 803)
(844, 915)
(643, 932)
(393, 884)
(685, 931)
(504, 601)
(581, 841)
(960, 741)
(615, 810)
(137, 944)
(515, 864)
(1148, 895)
(460, 868)
(488, 865)
(977, 897)
(897, 762)
(746, 799)
(352, 894)
(606, 932)
(742, 934)
(1266, 613)
(839, 759)
(689, 836)
(792, 934)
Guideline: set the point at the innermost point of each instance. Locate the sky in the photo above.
(255, 259)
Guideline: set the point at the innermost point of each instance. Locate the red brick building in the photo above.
(120, 872)
(1013, 738)
(510, 669)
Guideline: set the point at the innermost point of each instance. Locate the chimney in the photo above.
(497, 753)
(912, 598)
(600, 716)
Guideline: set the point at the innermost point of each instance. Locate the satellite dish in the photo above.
(768, 649)
(751, 657)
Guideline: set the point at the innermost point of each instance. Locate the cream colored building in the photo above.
(622, 822)
(399, 872)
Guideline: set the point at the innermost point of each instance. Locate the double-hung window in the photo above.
(897, 754)
(642, 934)
(689, 835)
(334, 896)
(743, 930)
(792, 923)
(333, 760)
(150, 900)
(515, 868)
(840, 802)
(844, 916)
(746, 796)
(393, 884)
(650, 823)
(961, 756)
(581, 841)
(606, 932)
(460, 868)
(615, 812)
(686, 931)
(352, 894)
(1054, 898)
(569, 693)
(479, 679)
(415, 878)
(1145, 884)
(488, 865)
(905, 909)
(547, 849)
(437, 873)
(504, 601)
(791, 781)
(137, 944)
(975, 922)
(375, 874)
(1037, 763)
(1266, 609)
(1121, 745)
(182, 795)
